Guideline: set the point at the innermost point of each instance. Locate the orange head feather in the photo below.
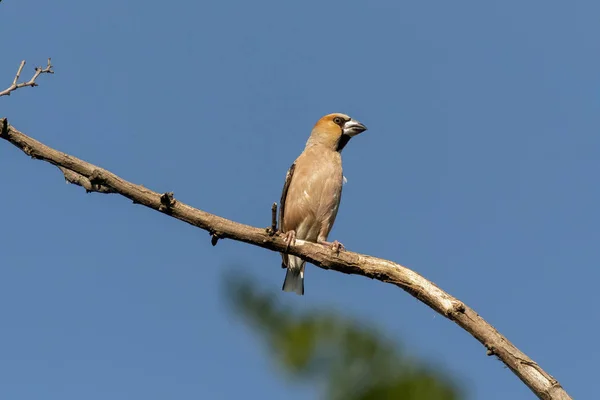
(334, 131)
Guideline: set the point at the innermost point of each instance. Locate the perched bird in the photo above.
(312, 191)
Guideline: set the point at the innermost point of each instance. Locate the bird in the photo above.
(312, 192)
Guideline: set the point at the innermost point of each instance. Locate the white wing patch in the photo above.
(344, 180)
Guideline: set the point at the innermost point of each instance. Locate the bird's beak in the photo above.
(353, 127)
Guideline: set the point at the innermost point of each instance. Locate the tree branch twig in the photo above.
(16, 85)
(273, 228)
(96, 179)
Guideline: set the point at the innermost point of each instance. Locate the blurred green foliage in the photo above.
(347, 359)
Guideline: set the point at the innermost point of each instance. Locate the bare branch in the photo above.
(91, 176)
(38, 71)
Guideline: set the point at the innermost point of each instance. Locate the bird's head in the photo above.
(335, 130)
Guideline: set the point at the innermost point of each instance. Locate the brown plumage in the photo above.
(312, 191)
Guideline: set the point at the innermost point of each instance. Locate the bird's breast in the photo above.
(314, 193)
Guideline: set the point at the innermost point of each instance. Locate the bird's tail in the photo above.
(294, 277)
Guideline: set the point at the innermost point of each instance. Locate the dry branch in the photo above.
(16, 85)
(96, 179)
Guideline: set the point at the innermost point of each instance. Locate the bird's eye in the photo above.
(338, 121)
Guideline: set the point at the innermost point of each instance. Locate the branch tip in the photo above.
(15, 83)
(18, 73)
(272, 230)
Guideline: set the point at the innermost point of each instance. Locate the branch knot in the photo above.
(167, 202)
(4, 129)
(214, 237)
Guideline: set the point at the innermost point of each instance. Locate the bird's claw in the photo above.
(289, 238)
(336, 246)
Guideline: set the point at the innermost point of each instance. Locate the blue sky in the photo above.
(479, 170)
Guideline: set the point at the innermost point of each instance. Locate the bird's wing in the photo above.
(286, 186)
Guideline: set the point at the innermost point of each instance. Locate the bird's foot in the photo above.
(335, 245)
(289, 238)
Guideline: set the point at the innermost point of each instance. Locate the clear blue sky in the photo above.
(479, 170)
